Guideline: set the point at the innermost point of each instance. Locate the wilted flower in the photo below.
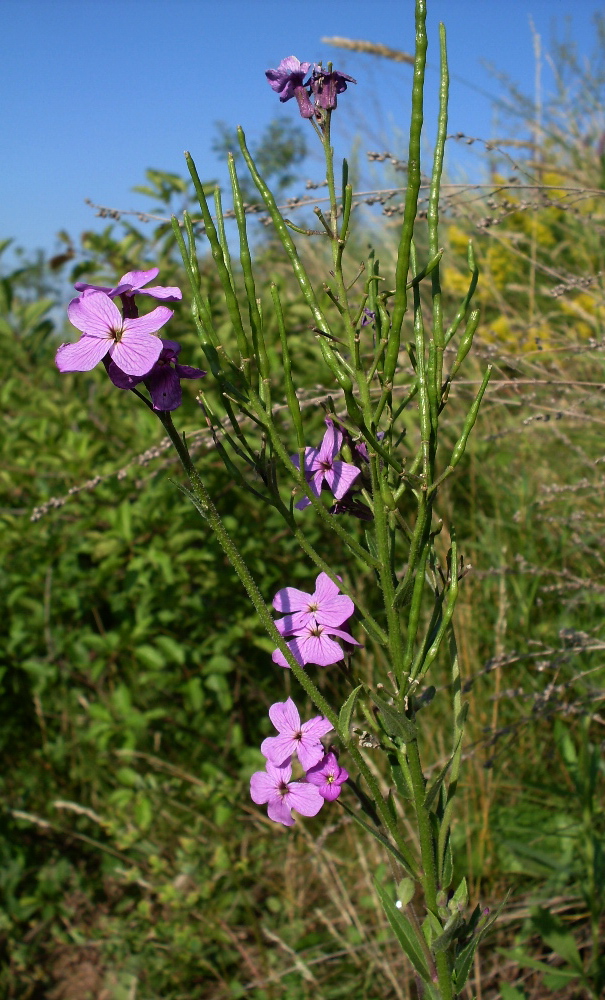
(129, 341)
(274, 787)
(163, 380)
(328, 776)
(303, 740)
(326, 87)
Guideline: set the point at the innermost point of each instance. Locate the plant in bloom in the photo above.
(288, 81)
(328, 776)
(327, 85)
(129, 341)
(303, 740)
(320, 464)
(274, 786)
(325, 606)
(132, 283)
(163, 380)
(312, 644)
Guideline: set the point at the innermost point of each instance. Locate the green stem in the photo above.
(427, 852)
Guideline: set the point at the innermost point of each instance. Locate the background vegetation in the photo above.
(136, 678)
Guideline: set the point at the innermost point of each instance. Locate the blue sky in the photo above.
(96, 91)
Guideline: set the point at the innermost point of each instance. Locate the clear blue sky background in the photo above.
(95, 91)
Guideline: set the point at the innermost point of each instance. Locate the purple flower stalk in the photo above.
(129, 341)
(294, 738)
(312, 644)
(132, 283)
(320, 464)
(288, 81)
(326, 606)
(163, 380)
(328, 776)
(326, 87)
(282, 795)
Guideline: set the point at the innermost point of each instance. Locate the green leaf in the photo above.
(443, 941)
(433, 791)
(557, 937)
(395, 722)
(405, 933)
(377, 836)
(346, 712)
(406, 890)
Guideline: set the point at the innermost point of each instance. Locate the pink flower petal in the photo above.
(325, 589)
(279, 811)
(290, 599)
(82, 356)
(262, 787)
(285, 716)
(304, 798)
(170, 292)
(316, 728)
(309, 753)
(331, 444)
(329, 791)
(135, 279)
(320, 650)
(277, 749)
(341, 477)
(150, 323)
(94, 314)
(136, 353)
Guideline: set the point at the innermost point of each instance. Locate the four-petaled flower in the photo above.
(288, 81)
(326, 87)
(326, 606)
(130, 342)
(282, 795)
(312, 644)
(328, 776)
(132, 283)
(320, 464)
(303, 740)
(163, 381)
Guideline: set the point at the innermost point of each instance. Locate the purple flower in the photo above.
(131, 284)
(326, 86)
(328, 776)
(282, 795)
(163, 381)
(319, 464)
(305, 740)
(287, 81)
(130, 342)
(368, 317)
(312, 644)
(326, 606)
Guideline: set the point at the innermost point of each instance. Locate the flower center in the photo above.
(317, 631)
(116, 334)
(298, 735)
(326, 466)
(282, 788)
(314, 606)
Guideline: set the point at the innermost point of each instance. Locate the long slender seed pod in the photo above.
(433, 216)
(413, 187)
(221, 267)
(472, 266)
(291, 397)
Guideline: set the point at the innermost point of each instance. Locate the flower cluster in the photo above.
(126, 342)
(322, 780)
(324, 86)
(310, 620)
